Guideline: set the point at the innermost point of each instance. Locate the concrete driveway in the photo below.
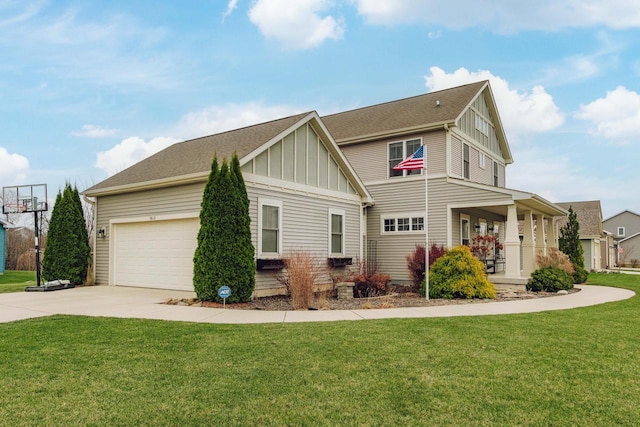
(123, 302)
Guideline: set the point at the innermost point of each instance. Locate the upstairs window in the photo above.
(621, 232)
(398, 151)
(482, 125)
(465, 161)
(496, 175)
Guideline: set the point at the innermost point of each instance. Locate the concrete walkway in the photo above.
(112, 301)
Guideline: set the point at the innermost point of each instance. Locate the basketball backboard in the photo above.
(24, 198)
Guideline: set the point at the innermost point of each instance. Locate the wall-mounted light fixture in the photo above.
(476, 227)
(490, 228)
(102, 233)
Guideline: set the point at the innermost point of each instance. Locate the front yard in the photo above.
(573, 367)
(16, 281)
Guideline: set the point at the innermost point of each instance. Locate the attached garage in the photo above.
(154, 254)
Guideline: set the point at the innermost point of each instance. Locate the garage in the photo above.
(155, 254)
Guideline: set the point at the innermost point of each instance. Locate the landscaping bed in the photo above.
(398, 297)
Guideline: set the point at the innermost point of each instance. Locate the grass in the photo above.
(573, 367)
(16, 281)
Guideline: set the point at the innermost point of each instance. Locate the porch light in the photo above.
(101, 233)
(477, 227)
(490, 228)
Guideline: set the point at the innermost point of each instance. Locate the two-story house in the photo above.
(327, 185)
(467, 153)
(625, 227)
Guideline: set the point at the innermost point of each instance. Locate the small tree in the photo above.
(571, 245)
(68, 253)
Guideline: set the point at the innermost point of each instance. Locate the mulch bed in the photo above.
(396, 298)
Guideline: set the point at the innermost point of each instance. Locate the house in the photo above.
(596, 245)
(625, 228)
(3, 244)
(326, 184)
(303, 194)
(467, 154)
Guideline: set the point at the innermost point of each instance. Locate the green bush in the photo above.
(459, 274)
(580, 275)
(549, 279)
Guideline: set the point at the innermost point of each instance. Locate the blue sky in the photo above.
(89, 87)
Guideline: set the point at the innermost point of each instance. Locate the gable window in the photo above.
(482, 125)
(405, 223)
(270, 227)
(465, 161)
(621, 232)
(336, 234)
(398, 151)
(496, 175)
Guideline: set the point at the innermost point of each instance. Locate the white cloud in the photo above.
(503, 16)
(14, 167)
(230, 8)
(221, 118)
(296, 24)
(521, 112)
(93, 131)
(130, 151)
(616, 116)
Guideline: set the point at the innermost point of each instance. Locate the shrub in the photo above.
(580, 275)
(300, 275)
(555, 258)
(634, 262)
(549, 279)
(459, 274)
(367, 278)
(416, 261)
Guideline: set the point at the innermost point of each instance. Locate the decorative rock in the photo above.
(563, 292)
(345, 290)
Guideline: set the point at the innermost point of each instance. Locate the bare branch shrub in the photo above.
(555, 258)
(302, 272)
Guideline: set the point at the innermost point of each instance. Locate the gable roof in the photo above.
(621, 213)
(588, 214)
(190, 161)
(194, 157)
(418, 113)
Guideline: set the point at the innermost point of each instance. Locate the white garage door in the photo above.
(155, 254)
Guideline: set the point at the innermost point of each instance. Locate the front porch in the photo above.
(501, 281)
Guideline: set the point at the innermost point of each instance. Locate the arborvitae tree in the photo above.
(570, 240)
(68, 253)
(203, 260)
(224, 256)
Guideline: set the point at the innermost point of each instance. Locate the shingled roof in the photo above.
(588, 214)
(415, 113)
(194, 157)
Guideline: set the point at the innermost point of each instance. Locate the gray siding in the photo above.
(456, 156)
(305, 220)
(628, 220)
(468, 125)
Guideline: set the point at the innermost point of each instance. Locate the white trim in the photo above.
(265, 182)
(405, 154)
(468, 219)
(275, 203)
(624, 231)
(402, 215)
(342, 214)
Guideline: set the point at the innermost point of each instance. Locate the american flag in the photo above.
(414, 161)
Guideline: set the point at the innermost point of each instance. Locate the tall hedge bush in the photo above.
(571, 245)
(224, 255)
(67, 255)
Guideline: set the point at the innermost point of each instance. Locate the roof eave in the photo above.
(397, 132)
(148, 185)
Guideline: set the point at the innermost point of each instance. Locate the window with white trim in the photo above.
(403, 223)
(496, 174)
(621, 231)
(482, 125)
(398, 151)
(269, 227)
(482, 160)
(465, 230)
(336, 232)
(465, 161)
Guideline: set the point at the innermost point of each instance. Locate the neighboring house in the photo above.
(327, 185)
(303, 195)
(594, 241)
(3, 245)
(467, 154)
(625, 228)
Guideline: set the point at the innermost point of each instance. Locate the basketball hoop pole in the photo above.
(35, 220)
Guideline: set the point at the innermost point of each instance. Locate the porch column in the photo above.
(552, 236)
(541, 242)
(528, 246)
(512, 244)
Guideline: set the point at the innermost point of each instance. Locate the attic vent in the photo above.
(437, 103)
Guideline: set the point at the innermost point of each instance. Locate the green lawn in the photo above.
(16, 281)
(574, 367)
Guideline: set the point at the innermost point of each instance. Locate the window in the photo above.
(398, 151)
(465, 229)
(482, 160)
(482, 125)
(336, 233)
(465, 161)
(496, 175)
(621, 231)
(403, 224)
(269, 227)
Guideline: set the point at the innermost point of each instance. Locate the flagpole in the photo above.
(426, 224)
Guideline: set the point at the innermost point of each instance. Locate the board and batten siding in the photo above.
(305, 220)
(468, 125)
(371, 159)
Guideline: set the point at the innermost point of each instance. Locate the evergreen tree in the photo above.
(570, 240)
(67, 255)
(224, 256)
